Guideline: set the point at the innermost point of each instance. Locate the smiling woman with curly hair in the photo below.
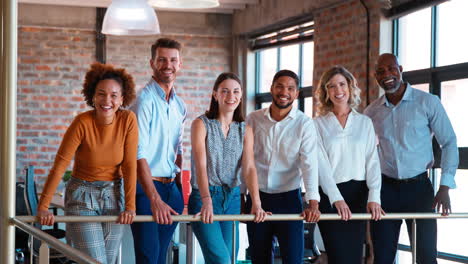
(103, 142)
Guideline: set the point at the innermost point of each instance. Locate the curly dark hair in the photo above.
(99, 72)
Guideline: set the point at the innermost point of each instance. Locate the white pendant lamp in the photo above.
(187, 4)
(130, 18)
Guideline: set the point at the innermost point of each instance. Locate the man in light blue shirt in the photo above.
(405, 119)
(160, 114)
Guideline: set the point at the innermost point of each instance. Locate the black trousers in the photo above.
(406, 197)
(344, 240)
(290, 234)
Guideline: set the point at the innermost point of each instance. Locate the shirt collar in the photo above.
(292, 114)
(160, 91)
(407, 96)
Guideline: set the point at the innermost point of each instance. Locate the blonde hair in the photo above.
(325, 105)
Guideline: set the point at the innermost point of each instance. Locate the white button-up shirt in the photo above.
(352, 150)
(285, 152)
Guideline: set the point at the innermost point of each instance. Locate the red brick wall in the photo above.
(340, 38)
(51, 67)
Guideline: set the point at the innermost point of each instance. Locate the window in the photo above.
(435, 60)
(291, 48)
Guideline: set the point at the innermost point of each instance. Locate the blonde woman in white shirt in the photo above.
(349, 142)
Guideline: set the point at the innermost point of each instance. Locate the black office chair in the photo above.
(30, 198)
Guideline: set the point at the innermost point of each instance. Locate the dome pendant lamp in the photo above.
(130, 18)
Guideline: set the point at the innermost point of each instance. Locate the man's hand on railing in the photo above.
(45, 217)
(442, 199)
(375, 210)
(126, 217)
(343, 210)
(162, 212)
(259, 213)
(311, 212)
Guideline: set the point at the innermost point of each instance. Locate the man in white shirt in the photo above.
(285, 152)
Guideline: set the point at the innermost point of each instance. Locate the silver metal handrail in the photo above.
(275, 217)
(65, 249)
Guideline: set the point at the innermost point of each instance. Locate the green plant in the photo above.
(67, 175)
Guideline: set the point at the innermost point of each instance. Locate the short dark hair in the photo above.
(286, 73)
(99, 72)
(213, 111)
(165, 43)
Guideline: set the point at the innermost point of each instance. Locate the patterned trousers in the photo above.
(101, 241)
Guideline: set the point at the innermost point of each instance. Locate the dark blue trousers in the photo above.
(290, 234)
(405, 197)
(150, 239)
(344, 240)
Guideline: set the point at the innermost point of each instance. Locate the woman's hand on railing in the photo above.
(126, 217)
(343, 210)
(375, 210)
(311, 213)
(206, 211)
(45, 217)
(259, 213)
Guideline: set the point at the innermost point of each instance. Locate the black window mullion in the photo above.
(434, 31)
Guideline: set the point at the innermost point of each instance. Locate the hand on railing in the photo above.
(343, 210)
(259, 213)
(442, 200)
(311, 212)
(162, 212)
(375, 210)
(45, 217)
(206, 211)
(126, 217)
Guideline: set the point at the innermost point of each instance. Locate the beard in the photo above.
(280, 106)
(390, 89)
(160, 76)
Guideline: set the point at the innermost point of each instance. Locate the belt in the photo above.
(163, 179)
(416, 178)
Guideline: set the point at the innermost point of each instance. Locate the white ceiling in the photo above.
(226, 6)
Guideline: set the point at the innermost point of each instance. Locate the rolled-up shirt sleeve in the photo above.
(445, 135)
(143, 110)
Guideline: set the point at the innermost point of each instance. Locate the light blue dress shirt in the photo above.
(160, 125)
(405, 135)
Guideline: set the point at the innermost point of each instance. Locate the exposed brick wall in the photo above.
(53, 59)
(340, 38)
(51, 66)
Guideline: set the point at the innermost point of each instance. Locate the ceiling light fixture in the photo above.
(130, 18)
(185, 4)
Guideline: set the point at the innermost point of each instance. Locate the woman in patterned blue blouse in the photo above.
(221, 145)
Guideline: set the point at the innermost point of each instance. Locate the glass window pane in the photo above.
(308, 106)
(268, 65)
(453, 94)
(307, 63)
(423, 87)
(290, 58)
(415, 40)
(451, 48)
(265, 105)
(446, 228)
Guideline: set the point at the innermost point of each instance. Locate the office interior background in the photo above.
(58, 40)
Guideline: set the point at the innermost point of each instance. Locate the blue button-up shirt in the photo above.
(405, 135)
(160, 125)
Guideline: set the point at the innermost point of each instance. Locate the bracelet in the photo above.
(206, 196)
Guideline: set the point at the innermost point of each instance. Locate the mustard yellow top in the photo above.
(102, 153)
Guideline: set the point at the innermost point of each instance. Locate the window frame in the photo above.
(265, 97)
